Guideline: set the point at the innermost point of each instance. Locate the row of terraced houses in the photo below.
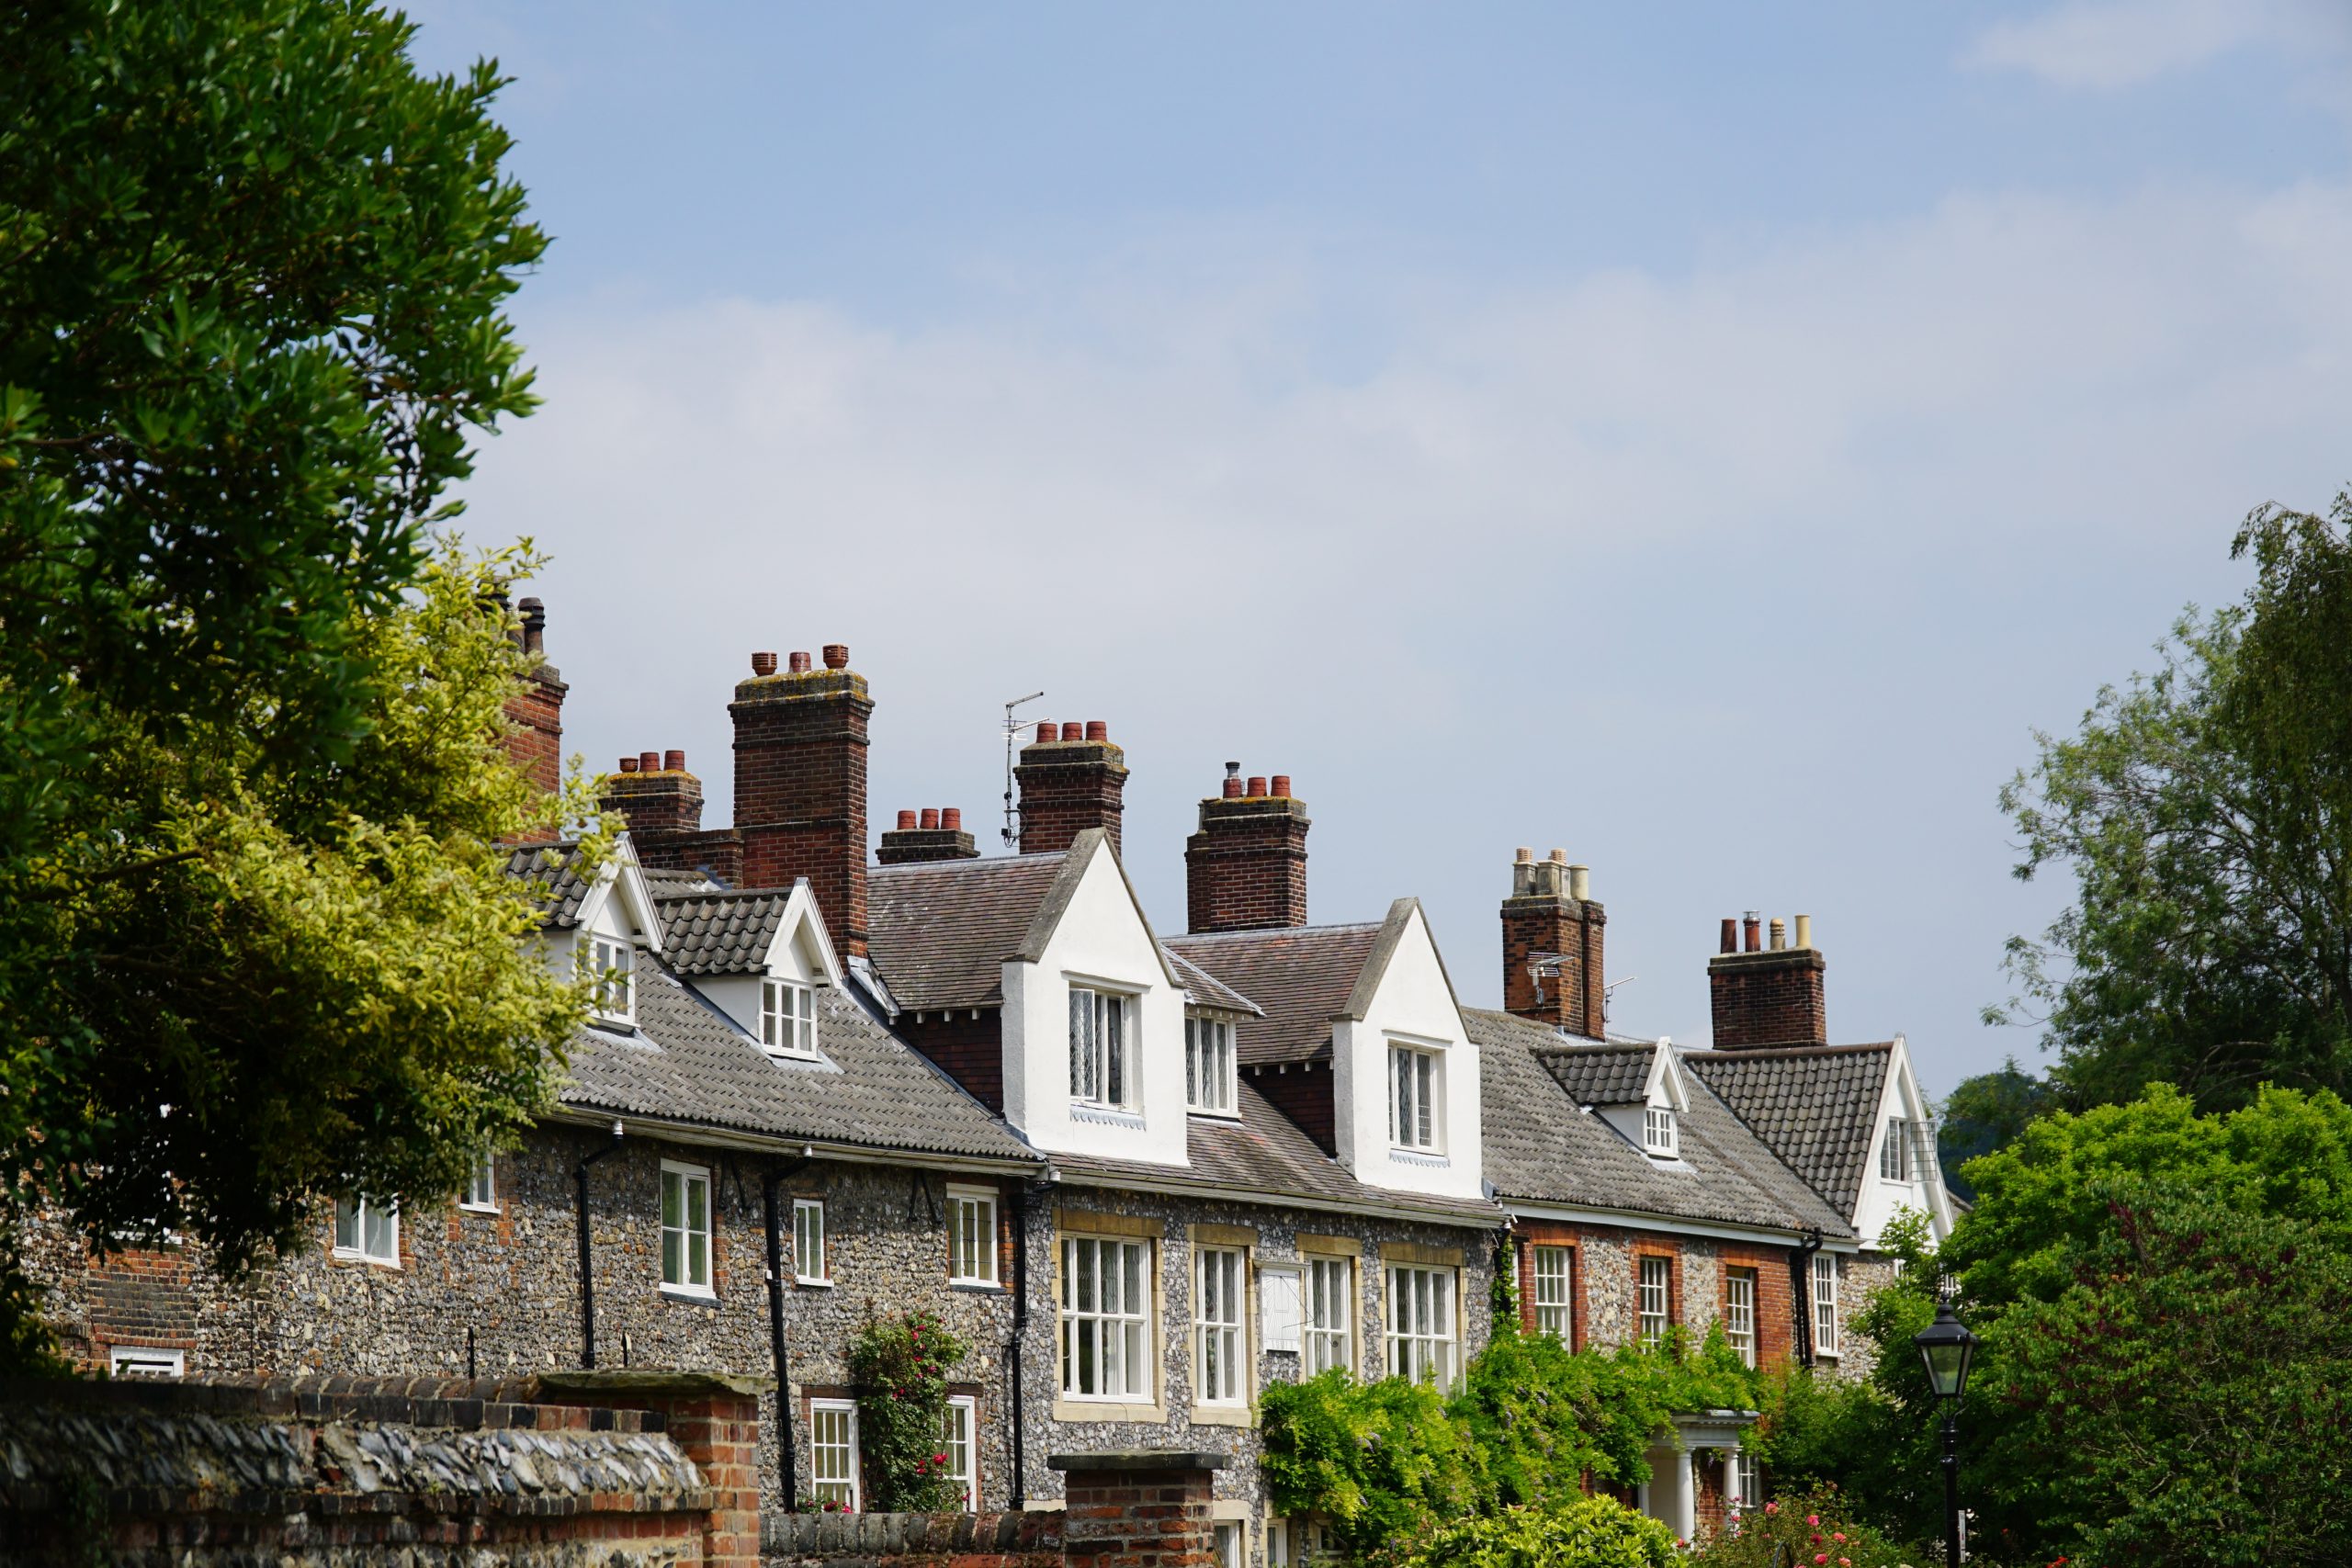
(1144, 1174)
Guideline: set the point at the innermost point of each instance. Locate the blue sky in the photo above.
(1706, 438)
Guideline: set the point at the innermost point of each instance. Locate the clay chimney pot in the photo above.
(674, 762)
(1525, 856)
(1257, 787)
(1097, 729)
(905, 821)
(628, 764)
(1731, 936)
(799, 665)
(1046, 731)
(1279, 784)
(951, 818)
(764, 664)
(649, 761)
(1073, 730)
(931, 817)
(837, 656)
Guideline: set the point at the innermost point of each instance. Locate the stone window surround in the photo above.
(1411, 1255)
(1244, 1240)
(1084, 1223)
(1313, 1249)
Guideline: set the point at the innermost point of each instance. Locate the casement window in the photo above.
(1824, 1304)
(1106, 1335)
(972, 1236)
(1232, 1543)
(1102, 1049)
(1208, 1065)
(612, 979)
(1415, 1081)
(145, 1362)
(1421, 1324)
(811, 1263)
(1330, 1314)
(1554, 1311)
(1661, 1135)
(368, 1230)
(1747, 1480)
(1894, 1151)
(788, 1018)
(1656, 1306)
(959, 1426)
(1739, 1312)
(832, 1452)
(482, 1185)
(686, 1228)
(1221, 1342)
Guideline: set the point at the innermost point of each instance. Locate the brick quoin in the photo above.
(800, 754)
(1549, 911)
(1071, 781)
(1246, 868)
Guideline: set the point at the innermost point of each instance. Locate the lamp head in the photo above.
(1947, 1346)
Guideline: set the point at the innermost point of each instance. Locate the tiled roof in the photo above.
(665, 882)
(1265, 1152)
(940, 931)
(1815, 1106)
(1300, 976)
(721, 933)
(555, 869)
(690, 1063)
(1602, 1075)
(1541, 1147)
(1206, 989)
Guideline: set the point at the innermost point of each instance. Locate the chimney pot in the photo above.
(1559, 857)
(1526, 856)
(931, 817)
(1097, 729)
(674, 762)
(799, 665)
(535, 626)
(1073, 730)
(1280, 785)
(764, 664)
(1805, 932)
(1046, 731)
(1580, 883)
(1780, 934)
(1751, 928)
(951, 818)
(837, 656)
(628, 764)
(649, 761)
(1731, 936)
(1257, 787)
(1232, 787)
(905, 821)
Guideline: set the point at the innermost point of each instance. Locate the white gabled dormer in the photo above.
(1404, 1073)
(773, 992)
(612, 924)
(1654, 1124)
(1094, 1021)
(1900, 1170)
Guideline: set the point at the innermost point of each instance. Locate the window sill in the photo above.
(390, 1264)
(1213, 1115)
(477, 1208)
(806, 1284)
(1426, 1159)
(1223, 1415)
(1068, 1407)
(612, 1025)
(775, 1056)
(978, 1287)
(1108, 1116)
(687, 1295)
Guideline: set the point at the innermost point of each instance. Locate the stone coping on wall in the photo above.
(1151, 1459)
(832, 1537)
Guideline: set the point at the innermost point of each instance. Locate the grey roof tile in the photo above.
(1814, 1106)
(555, 872)
(1602, 1075)
(667, 882)
(1206, 989)
(689, 1063)
(721, 933)
(940, 931)
(1300, 976)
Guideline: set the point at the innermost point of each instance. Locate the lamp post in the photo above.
(1947, 1346)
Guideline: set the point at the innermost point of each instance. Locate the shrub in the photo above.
(1577, 1532)
(1808, 1528)
(900, 1366)
(1383, 1464)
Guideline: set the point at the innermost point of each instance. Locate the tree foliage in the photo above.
(2205, 812)
(1572, 1532)
(1984, 1113)
(255, 941)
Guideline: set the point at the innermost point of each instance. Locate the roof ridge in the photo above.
(1738, 1053)
(909, 868)
(1277, 931)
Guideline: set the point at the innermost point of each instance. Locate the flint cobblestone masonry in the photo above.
(1031, 1539)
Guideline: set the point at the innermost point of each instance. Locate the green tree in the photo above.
(1986, 1112)
(255, 943)
(2206, 813)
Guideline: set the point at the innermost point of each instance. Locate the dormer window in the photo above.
(1661, 1138)
(1102, 1049)
(1209, 1066)
(612, 966)
(788, 1018)
(1415, 1080)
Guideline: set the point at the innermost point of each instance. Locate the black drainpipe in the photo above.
(1017, 1495)
(587, 1275)
(1800, 1292)
(787, 1463)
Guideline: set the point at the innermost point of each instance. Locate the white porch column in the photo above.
(1686, 1494)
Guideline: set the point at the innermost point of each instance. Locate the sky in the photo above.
(1709, 439)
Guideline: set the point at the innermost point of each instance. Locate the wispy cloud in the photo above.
(2109, 44)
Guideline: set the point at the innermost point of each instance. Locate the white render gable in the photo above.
(618, 907)
(1404, 1007)
(1667, 1090)
(1090, 943)
(1880, 1196)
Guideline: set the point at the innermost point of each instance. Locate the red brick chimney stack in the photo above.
(1071, 779)
(536, 743)
(934, 833)
(1246, 869)
(1769, 995)
(655, 795)
(1553, 932)
(800, 746)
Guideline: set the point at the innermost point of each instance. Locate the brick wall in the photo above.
(1072, 781)
(1769, 997)
(801, 752)
(1149, 1509)
(1542, 916)
(1245, 869)
(970, 1050)
(1306, 1093)
(656, 801)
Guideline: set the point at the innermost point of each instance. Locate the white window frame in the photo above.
(1746, 1480)
(693, 1243)
(480, 1195)
(1424, 1339)
(1552, 1270)
(1104, 1060)
(1416, 1098)
(612, 978)
(1653, 1285)
(833, 1431)
(1894, 1152)
(787, 1019)
(1212, 1084)
(971, 1236)
(1739, 1312)
(1661, 1131)
(1329, 1335)
(1230, 1543)
(371, 1242)
(1221, 1326)
(145, 1362)
(961, 1442)
(810, 1234)
(1825, 1304)
(1111, 1331)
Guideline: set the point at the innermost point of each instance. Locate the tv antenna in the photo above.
(1013, 728)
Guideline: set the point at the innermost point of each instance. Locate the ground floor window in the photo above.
(1657, 1302)
(1421, 1323)
(1330, 1319)
(686, 1228)
(1553, 1313)
(144, 1361)
(1747, 1481)
(959, 1441)
(1739, 1312)
(1106, 1318)
(367, 1228)
(832, 1452)
(1824, 1304)
(1232, 1544)
(1295, 1544)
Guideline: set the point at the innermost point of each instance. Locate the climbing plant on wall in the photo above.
(900, 1366)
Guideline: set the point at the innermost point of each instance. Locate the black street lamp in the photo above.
(1947, 1346)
